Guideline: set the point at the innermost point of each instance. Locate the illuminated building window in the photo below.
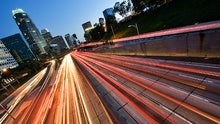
(20, 20)
(27, 20)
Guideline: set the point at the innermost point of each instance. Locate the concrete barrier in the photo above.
(195, 44)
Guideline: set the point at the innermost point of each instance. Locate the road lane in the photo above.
(75, 101)
(95, 88)
(16, 102)
(184, 103)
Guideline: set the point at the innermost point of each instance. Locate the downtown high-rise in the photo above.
(18, 48)
(30, 32)
(6, 59)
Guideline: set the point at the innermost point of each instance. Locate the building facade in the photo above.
(101, 21)
(108, 12)
(46, 35)
(60, 42)
(6, 59)
(30, 33)
(69, 40)
(18, 48)
(87, 26)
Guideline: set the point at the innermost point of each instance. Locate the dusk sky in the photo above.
(58, 16)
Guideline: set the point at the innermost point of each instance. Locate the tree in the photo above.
(87, 37)
(152, 4)
(111, 20)
(74, 35)
(122, 8)
(139, 5)
(97, 33)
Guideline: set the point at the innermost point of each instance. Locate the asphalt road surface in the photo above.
(96, 88)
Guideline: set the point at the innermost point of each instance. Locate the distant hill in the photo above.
(174, 14)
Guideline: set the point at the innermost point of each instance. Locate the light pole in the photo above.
(8, 75)
(4, 108)
(135, 26)
(113, 31)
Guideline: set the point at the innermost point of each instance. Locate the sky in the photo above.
(58, 16)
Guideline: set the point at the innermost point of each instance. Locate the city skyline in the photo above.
(58, 17)
(31, 33)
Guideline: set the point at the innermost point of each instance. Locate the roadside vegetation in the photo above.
(173, 14)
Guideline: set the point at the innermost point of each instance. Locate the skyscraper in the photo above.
(87, 26)
(6, 59)
(46, 35)
(18, 48)
(108, 12)
(69, 40)
(60, 42)
(30, 33)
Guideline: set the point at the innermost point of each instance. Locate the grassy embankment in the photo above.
(174, 14)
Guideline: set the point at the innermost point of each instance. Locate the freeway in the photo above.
(27, 96)
(75, 101)
(62, 95)
(157, 91)
(96, 88)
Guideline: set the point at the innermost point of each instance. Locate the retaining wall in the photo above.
(195, 44)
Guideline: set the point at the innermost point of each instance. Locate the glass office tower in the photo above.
(18, 48)
(30, 33)
(6, 59)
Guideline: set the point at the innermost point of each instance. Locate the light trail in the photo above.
(80, 86)
(146, 115)
(168, 77)
(71, 96)
(34, 82)
(158, 74)
(187, 106)
(157, 64)
(42, 100)
(119, 72)
(71, 104)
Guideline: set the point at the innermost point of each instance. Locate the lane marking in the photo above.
(195, 78)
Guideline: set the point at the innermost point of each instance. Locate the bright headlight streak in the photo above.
(101, 104)
(62, 101)
(74, 72)
(67, 93)
(83, 100)
(57, 81)
(58, 114)
(78, 117)
(53, 90)
(23, 93)
(44, 108)
(73, 77)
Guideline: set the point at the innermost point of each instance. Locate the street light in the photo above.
(135, 26)
(113, 31)
(4, 108)
(4, 70)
